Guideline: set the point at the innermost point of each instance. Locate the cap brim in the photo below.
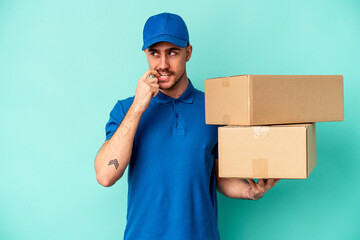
(165, 38)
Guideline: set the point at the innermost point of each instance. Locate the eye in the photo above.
(172, 53)
(154, 54)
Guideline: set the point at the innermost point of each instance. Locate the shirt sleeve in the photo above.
(117, 114)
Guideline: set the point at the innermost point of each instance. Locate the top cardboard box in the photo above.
(274, 99)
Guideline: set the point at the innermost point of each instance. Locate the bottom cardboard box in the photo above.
(277, 151)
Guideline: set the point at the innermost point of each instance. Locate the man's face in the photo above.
(169, 61)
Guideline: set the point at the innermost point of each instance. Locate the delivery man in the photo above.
(161, 134)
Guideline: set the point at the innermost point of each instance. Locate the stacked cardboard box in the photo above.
(271, 121)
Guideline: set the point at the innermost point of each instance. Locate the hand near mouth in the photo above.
(147, 87)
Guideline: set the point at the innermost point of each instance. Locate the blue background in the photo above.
(63, 65)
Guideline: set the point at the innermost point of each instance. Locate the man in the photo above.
(172, 154)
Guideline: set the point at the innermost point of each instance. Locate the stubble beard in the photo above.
(175, 83)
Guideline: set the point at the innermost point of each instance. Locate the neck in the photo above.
(178, 89)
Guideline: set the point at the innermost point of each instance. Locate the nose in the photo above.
(163, 64)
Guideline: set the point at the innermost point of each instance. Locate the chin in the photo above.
(166, 85)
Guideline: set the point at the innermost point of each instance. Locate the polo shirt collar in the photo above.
(186, 97)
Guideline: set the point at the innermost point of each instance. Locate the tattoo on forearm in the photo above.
(115, 162)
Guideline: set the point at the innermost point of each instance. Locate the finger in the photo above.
(269, 183)
(154, 86)
(276, 181)
(155, 93)
(154, 73)
(252, 183)
(272, 183)
(153, 80)
(150, 72)
(261, 182)
(146, 74)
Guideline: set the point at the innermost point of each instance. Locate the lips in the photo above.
(164, 76)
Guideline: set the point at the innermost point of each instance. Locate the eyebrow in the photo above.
(172, 49)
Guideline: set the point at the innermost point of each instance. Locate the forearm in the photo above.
(234, 188)
(114, 156)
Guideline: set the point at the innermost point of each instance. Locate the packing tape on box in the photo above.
(225, 82)
(260, 132)
(260, 168)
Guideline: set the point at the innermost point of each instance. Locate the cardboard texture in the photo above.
(278, 151)
(274, 99)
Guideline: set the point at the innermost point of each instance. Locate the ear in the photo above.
(146, 53)
(188, 52)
